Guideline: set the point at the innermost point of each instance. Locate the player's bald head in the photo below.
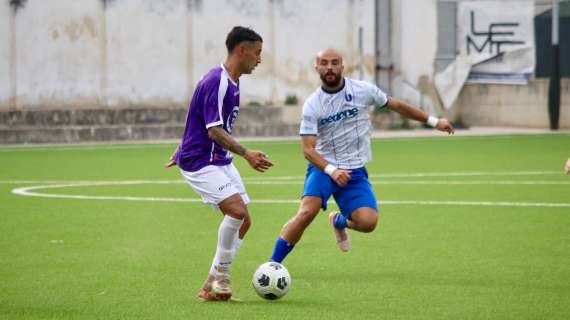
(329, 54)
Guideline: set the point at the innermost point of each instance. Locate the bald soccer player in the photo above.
(335, 132)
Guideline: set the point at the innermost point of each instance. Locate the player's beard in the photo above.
(331, 83)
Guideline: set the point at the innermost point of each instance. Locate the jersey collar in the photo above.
(337, 90)
(228, 75)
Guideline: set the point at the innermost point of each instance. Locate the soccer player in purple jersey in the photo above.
(205, 154)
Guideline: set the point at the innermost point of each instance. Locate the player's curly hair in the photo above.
(240, 34)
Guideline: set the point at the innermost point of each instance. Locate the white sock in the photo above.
(227, 237)
(237, 244)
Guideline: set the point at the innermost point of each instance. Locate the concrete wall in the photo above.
(5, 47)
(123, 53)
(415, 39)
(57, 54)
(73, 125)
(415, 46)
(89, 54)
(513, 106)
(293, 32)
(145, 53)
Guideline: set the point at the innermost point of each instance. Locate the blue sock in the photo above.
(281, 250)
(340, 221)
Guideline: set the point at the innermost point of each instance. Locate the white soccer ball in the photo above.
(271, 280)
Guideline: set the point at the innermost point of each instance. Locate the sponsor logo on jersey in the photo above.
(348, 96)
(345, 114)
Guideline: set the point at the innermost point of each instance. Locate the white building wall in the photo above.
(5, 39)
(57, 53)
(66, 53)
(145, 54)
(151, 53)
(414, 45)
(418, 39)
(294, 36)
(211, 21)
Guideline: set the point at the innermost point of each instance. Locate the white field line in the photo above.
(29, 191)
(270, 180)
(408, 182)
(63, 184)
(430, 174)
(465, 174)
(433, 174)
(73, 183)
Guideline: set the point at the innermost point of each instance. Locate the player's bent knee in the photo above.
(234, 207)
(369, 227)
(368, 224)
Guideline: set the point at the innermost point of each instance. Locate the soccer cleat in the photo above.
(206, 294)
(222, 288)
(342, 236)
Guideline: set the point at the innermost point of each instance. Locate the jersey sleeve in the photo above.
(309, 125)
(213, 99)
(378, 96)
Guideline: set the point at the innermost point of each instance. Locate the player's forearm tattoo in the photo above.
(225, 140)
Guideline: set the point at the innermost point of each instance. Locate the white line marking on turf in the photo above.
(430, 174)
(408, 182)
(29, 191)
(465, 174)
(92, 182)
(300, 178)
(300, 182)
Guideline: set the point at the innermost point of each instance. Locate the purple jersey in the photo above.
(215, 102)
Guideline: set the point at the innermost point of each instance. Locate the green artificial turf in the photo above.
(470, 228)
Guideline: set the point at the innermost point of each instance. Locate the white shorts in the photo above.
(216, 183)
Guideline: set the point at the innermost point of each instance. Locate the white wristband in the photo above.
(329, 169)
(432, 121)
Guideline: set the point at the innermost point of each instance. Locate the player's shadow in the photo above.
(285, 301)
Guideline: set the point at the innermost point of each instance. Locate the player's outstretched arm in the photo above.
(567, 166)
(410, 112)
(172, 160)
(256, 159)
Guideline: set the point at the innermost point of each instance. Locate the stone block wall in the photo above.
(125, 124)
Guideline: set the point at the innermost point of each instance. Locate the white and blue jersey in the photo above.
(341, 122)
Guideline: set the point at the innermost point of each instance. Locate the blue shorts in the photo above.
(356, 194)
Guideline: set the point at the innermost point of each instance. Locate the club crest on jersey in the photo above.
(232, 119)
(345, 114)
(348, 97)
